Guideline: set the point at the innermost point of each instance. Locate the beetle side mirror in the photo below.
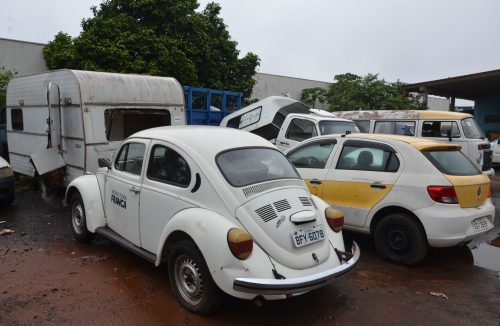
(104, 163)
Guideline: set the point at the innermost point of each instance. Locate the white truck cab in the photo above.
(286, 122)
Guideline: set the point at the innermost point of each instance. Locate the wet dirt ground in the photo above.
(47, 278)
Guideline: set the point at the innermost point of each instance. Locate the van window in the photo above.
(363, 125)
(367, 159)
(330, 127)
(452, 162)
(16, 117)
(301, 129)
(406, 128)
(130, 158)
(440, 129)
(168, 166)
(471, 130)
(121, 123)
(312, 156)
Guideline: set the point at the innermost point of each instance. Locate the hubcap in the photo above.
(188, 279)
(398, 238)
(77, 217)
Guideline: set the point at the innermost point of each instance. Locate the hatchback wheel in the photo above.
(191, 280)
(400, 238)
(79, 220)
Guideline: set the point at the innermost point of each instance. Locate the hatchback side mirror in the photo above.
(104, 163)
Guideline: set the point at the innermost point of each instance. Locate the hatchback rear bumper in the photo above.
(296, 285)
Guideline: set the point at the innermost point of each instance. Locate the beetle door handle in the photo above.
(315, 182)
(377, 185)
(134, 189)
(284, 143)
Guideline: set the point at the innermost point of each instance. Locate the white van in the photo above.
(286, 122)
(455, 127)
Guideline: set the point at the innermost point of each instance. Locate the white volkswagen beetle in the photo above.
(223, 208)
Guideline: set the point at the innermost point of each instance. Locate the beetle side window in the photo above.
(367, 159)
(168, 166)
(130, 158)
(300, 129)
(313, 156)
(16, 118)
(440, 129)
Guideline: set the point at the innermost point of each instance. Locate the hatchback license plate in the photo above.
(480, 223)
(303, 237)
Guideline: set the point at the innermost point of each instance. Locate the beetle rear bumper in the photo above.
(295, 285)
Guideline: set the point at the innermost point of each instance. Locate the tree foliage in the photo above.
(310, 95)
(157, 37)
(353, 92)
(5, 77)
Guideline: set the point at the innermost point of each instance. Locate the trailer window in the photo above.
(121, 123)
(16, 117)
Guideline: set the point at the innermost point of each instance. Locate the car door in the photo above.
(123, 187)
(311, 161)
(170, 180)
(297, 130)
(361, 175)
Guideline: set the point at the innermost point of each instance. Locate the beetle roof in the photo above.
(207, 141)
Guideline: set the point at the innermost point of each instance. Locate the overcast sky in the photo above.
(316, 39)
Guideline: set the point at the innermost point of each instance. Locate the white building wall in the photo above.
(268, 85)
(21, 58)
(438, 103)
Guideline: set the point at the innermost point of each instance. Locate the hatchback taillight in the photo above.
(240, 243)
(335, 219)
(443, 194)
(489, 191)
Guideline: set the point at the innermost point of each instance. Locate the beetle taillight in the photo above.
(240, 243)
(443, 194)
(335, 219)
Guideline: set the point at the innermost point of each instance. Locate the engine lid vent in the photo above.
(266, 213)
(307, 202)
(282, 205)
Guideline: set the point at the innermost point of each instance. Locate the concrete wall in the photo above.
(21, 58)
(268, 85)
(488, 106)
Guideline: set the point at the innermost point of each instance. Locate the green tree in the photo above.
(157, 37)
(353, 92)
(5, 76)
(310, 95)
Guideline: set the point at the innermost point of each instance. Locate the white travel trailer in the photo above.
(286, 122)
(60, 123)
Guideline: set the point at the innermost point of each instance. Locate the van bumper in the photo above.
(296, 285)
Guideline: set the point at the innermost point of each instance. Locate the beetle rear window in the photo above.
(245, 166)
(452, 162)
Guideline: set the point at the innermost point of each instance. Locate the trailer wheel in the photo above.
(78, 219)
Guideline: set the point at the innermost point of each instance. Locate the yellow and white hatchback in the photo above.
(407, 192)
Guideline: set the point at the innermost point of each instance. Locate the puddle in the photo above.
(487, 255)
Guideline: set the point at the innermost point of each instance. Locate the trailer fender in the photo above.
(88, 187)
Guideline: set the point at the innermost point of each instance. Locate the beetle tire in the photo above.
(78, 220)
(191, 280)
(400, 238)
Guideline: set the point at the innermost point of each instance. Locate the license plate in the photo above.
(480, 223)
(303, 237)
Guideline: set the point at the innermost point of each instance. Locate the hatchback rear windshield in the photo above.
(245, 166)
(337, 127)
(452, 162)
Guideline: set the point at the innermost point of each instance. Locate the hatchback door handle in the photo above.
(315, 182)
(378, 186)
(134, 189)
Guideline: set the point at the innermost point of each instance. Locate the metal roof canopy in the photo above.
(469, 87)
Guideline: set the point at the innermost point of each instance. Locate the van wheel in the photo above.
(400, 238)
(79, 220)
(191, 280)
